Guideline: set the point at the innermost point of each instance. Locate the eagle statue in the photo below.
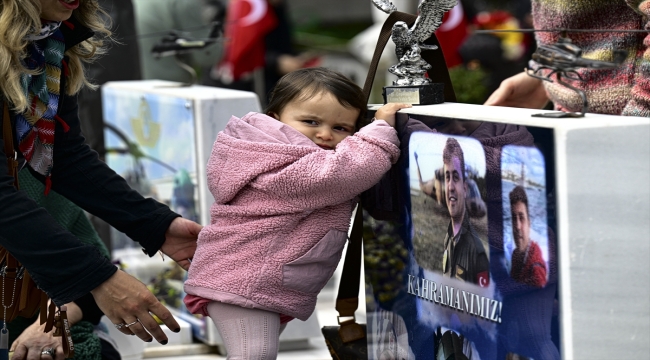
(409, 41)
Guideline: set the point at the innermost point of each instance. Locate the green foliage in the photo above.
(385, 257)
(314, 35)
(342, 31)
(168, 286)
(469, 85)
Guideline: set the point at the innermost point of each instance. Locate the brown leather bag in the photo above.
(20, 294)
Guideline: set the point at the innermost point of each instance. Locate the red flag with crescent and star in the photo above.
(451, 34)
(247, 23)
(483, 279)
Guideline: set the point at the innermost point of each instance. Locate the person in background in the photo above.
(621, 91)
(280, 57)
(41, 104)
(499, 55)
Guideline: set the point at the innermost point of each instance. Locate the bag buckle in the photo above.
(351, 319)
(20, 273)
(349, 330)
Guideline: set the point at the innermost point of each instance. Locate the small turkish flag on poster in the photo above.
(247, 22)
(483, 279)
(451, 34)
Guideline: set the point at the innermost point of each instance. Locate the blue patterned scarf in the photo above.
(35, 127)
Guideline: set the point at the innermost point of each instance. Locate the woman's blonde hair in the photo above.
(20, 18)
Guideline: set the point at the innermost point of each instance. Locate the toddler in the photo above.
(284, 185)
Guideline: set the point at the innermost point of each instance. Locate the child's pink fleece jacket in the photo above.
(281, 213)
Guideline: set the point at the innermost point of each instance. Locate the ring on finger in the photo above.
(48, 351)
(119, 326)
(133, 323)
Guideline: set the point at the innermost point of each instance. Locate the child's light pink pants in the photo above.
(249, 334)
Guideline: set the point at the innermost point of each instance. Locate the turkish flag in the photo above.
(247, 23)
(483, 279)
(451, 34)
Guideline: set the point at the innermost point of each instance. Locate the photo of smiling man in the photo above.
(528, 265)
(448, 210)
(525, 236)
(464, 257)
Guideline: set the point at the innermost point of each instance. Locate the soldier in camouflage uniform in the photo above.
(464, 257)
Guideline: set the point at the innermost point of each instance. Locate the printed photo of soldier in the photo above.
(447, 181)
(513, 356)
(525, 237)
(450, 345)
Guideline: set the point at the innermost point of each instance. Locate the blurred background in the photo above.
(201, 42)
(290, 34)
(198, 45)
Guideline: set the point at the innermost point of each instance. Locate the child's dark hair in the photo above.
(306, 83)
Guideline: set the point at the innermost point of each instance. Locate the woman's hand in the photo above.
(521, 91)
(387, 112)
(180, 241)
(31, 343)
(127, 301)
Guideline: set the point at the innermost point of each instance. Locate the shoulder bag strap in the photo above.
(348, 296)
(347, 299)
(8, 138)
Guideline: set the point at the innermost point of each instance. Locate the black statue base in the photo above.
(416, 95)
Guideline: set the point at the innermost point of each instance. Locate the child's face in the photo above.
(321, 118)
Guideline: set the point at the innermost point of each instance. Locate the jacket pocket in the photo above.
(310, 272)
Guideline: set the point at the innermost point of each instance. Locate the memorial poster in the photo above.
(467, 269)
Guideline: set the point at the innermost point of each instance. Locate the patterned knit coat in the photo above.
(621, 91)
(281, 213)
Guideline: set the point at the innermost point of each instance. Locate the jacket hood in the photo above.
(250, 146)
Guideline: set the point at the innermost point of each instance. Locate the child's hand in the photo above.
(387, 112)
